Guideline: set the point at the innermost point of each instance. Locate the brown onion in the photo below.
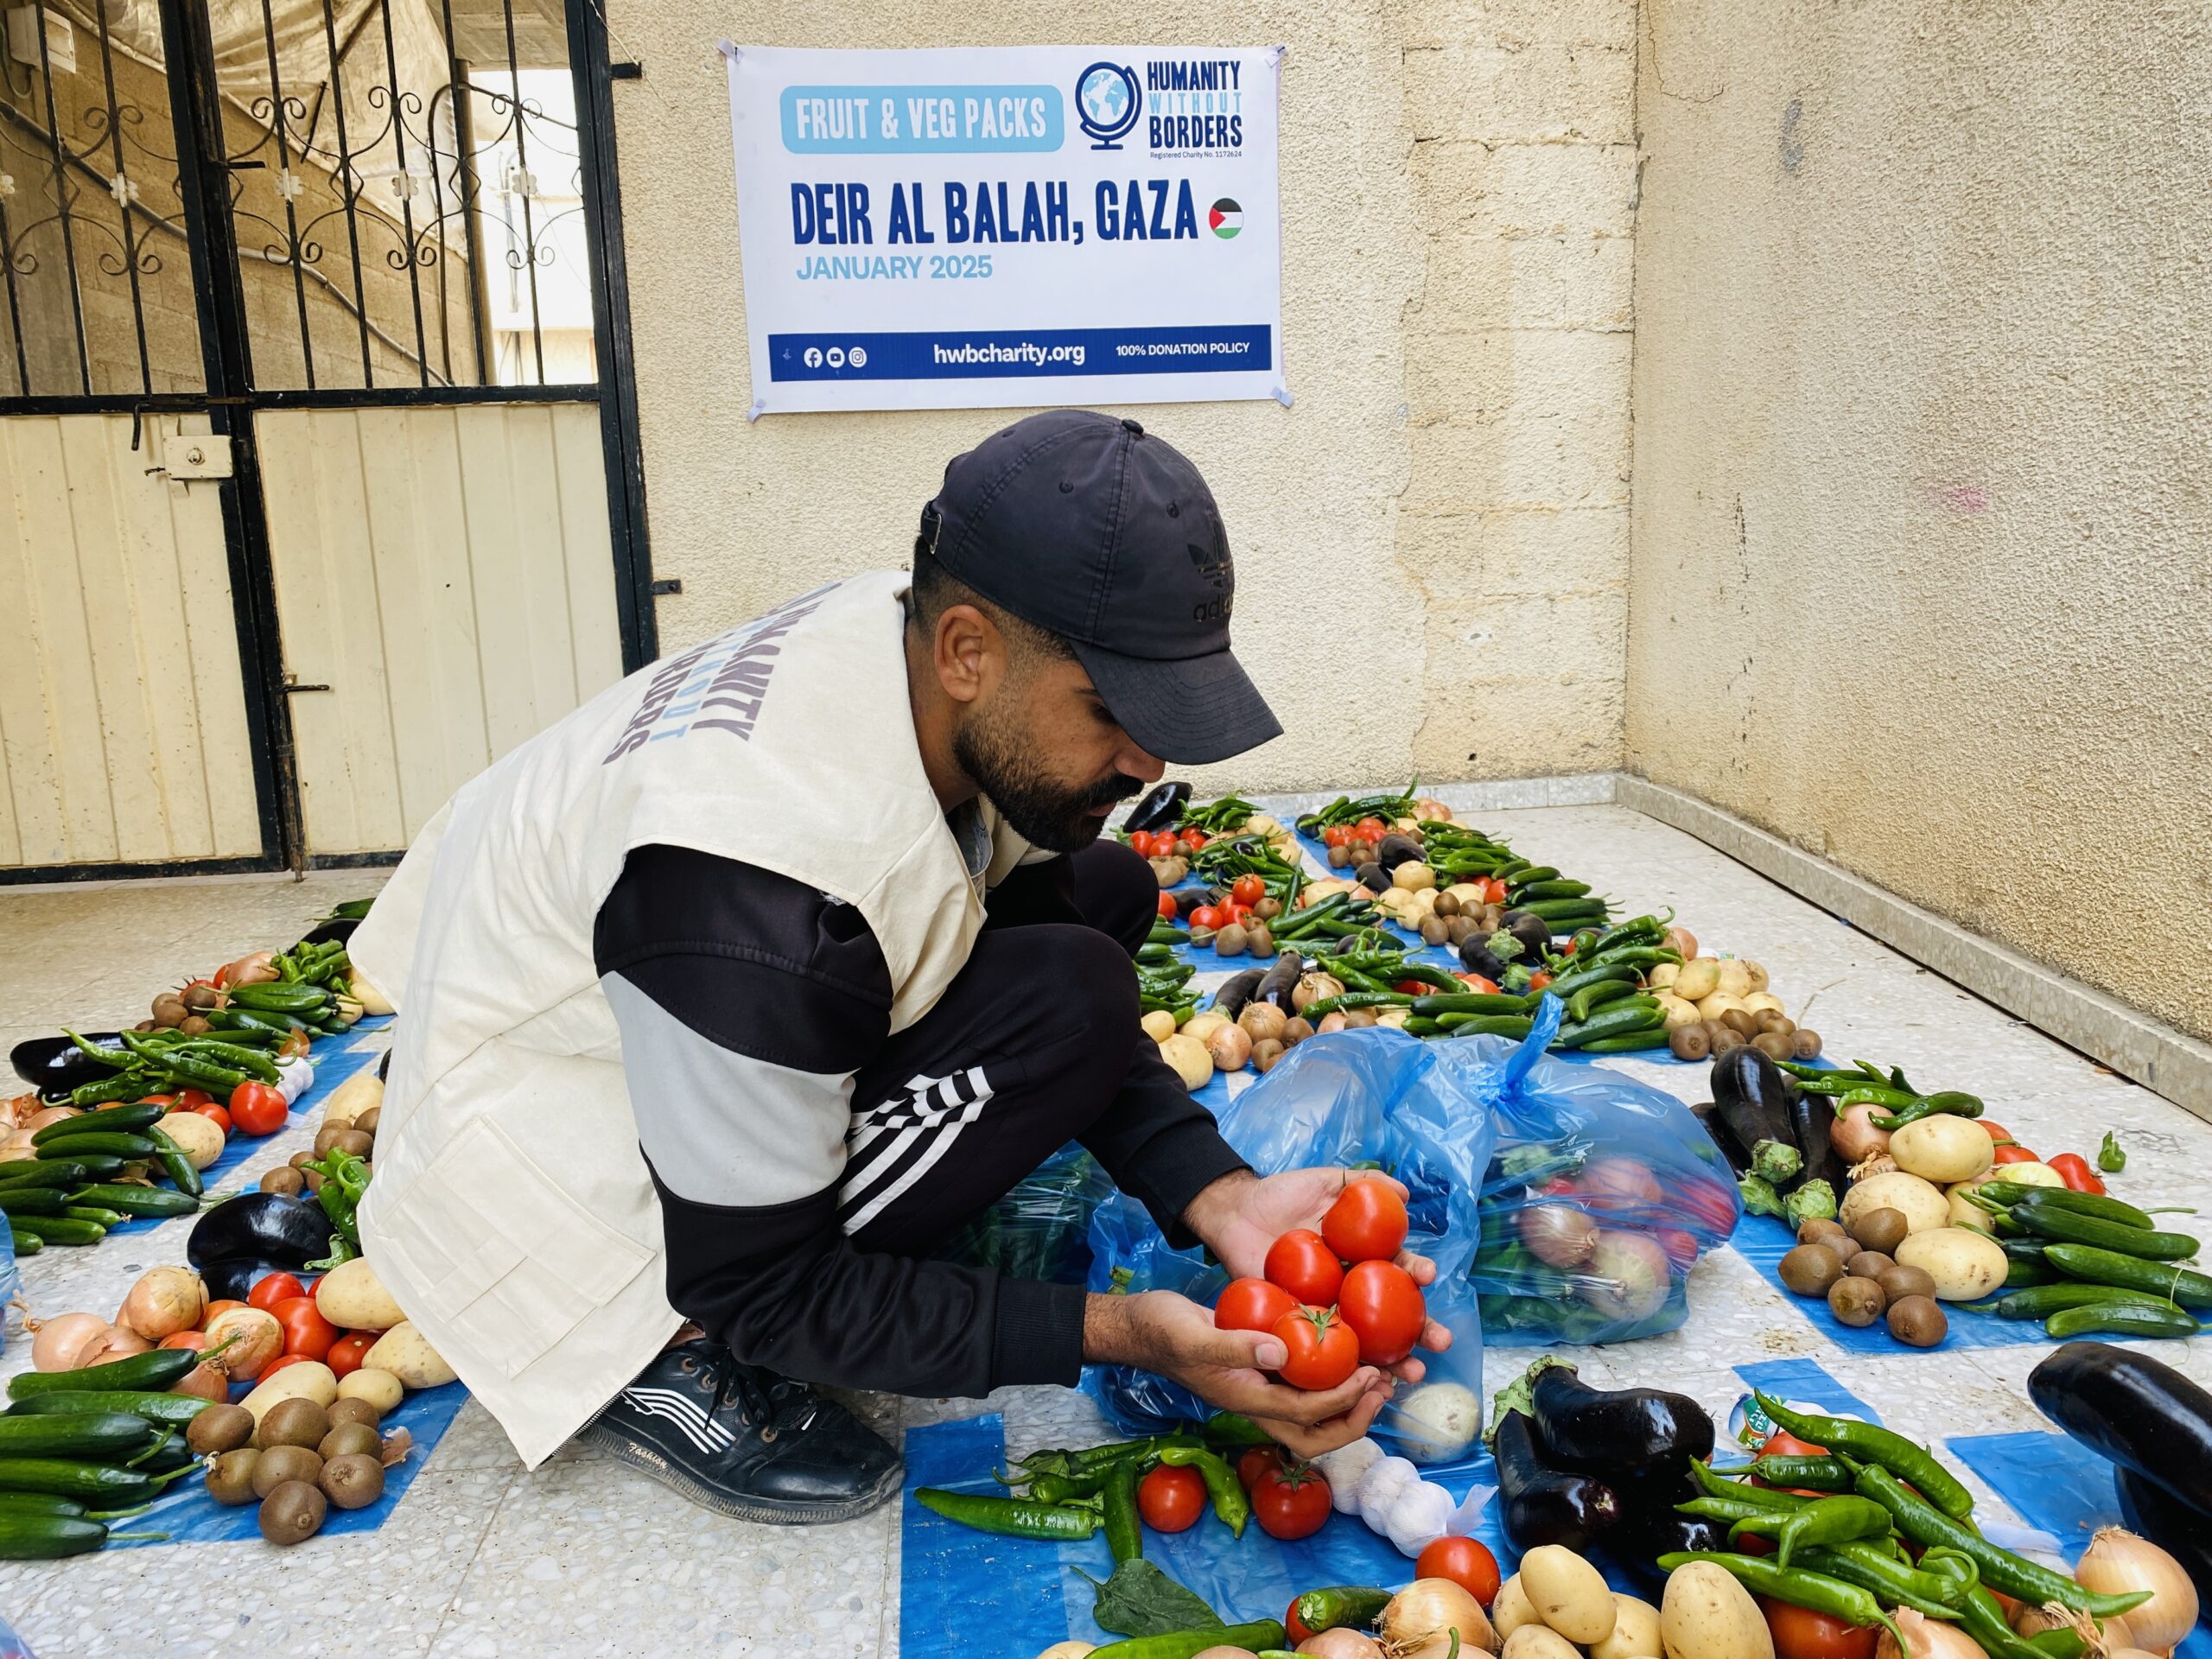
(52, 1115)
(116, 1342)
(1627, 1275)
(207, 1381)
(164, 1301)
(1619, 1183)
(260, 1338)
(2119, 1563)
(1558, 1234)
(1928, 1639)
(56, 1343)
(1341, 1642)
(1431, 1618)
(1854, 1137)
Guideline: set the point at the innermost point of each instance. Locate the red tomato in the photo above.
(1235, 910)
(1493, 892)
(1783, 1444)
(306, 1333)
(2074, 1170)
(1256, 1462)
(1194, 839)
(2010, 1153)
(1477, 982)
(1337, 835)
(213, 1309)
(1372, 830)
(1171, 1499)
(344, 1355)
(1466, 1561)
(276, 1288)
(1167, 906)
(1323, 1351)
(1366, 1224)
(1248, 890)
(1538, 980)
(1302, 1263)
(279, 1364)
(214, 1115)
(1384, 1308)
(1208, 916)
(1997, 1132)
(1800, 1633)
(1140, 843)
(194, 1340)
(1251, 1304)
(1294, 1625)
(191, 1100)
(1681, 1248)
(1752, 1544)
(1412, 987)
(155, 1100)
(1291, 1502)
(258, 1108)
(1709, 1202)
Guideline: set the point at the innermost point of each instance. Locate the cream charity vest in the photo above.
(511, 1216)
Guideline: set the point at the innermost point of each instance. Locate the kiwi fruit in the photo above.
(1881, 1230)
(1809, 1270)
(301, 1160)
(1856, 1301)
(1690, 1042)
(293, 1513)
(1814, 1229)
(220, 1429)
(1805, 1044)
(286, 1180)
(230, 1476)
(326, 1137)
(1917, 1321)
(1771, 1019)
(353, 1481)
(1742, 1021)
(349, 1440)
(294, 1422)
(1901, 1281)
(1773, 1044)
(1726, 1039)
(352, 1410)
(1868, 1264)
(281, 1464)
(367, 1122)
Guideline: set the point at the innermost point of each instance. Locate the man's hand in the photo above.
(1240, 1215)
(1161, 1332)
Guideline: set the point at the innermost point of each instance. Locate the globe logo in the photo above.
(1106, 100)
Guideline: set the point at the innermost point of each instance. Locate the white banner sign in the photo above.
(965, 228)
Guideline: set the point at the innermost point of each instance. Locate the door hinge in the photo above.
(666, 585)
(292, 684)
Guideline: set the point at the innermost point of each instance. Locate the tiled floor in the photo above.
(583, 1557)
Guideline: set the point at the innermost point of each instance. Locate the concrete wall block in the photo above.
(1467, 188)
(1490, 281)
(1500, 553)
(1573, 458)
(1519, 728)
(1483, 89)
(1598, 22)
(1515, 637)
(1501, 372)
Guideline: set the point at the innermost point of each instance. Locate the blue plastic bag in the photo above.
(1366, 1096)
(1040, 1228)
(1604, 1193)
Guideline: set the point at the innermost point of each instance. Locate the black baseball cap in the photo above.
(1091, 529)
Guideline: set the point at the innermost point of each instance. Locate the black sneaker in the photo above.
(744, 1442)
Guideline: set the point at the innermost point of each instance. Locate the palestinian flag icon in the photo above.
(1225, 218)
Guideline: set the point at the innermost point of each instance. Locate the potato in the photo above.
(200, 1139)
(1714, 1004)
(1735, 978)
(1698, 979)
(407, 1354)
(1203, 1026)
(1942, 1148)
(1512, 1609)
(1187, 1055)
(373, 1000)
(1539, 1642)
(1663, 976)
(353, 1096)
(1568, 1594)
(1678, 1012)
(1763, 1002)
(309, 1380)
(1966, 1214)
(1411, 876)
(1636, 1631)
(380, 1388)
(1705, 1614)
(1920, 1203)
(2029, 1174)
(1964, 1264)
(1159, 1024)
(352, 1298)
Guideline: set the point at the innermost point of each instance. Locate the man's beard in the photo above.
(1040, 811)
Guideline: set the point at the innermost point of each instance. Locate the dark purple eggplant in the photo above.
(1747, 1097)
(54, 1065)
(2152, 1512)
(2130, 1409)
(1617, 1433)
(1534, 933)
(1641, 1540)
(1716, 1129)
(1811, 1116)
(1236, 991)
(1545, 1505)
(1159, 810)
(1397, 849)
(260, 1227)
(1279, 983)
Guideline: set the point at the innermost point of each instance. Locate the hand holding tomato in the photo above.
(1384, 1308)
(1252, 1305)
(1301, 1263)
(1323, 1351)
(1368, 1222)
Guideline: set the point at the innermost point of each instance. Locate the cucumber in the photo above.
(32, 1201)
(57, 1230)
(2120, 1319)
(138, 1200)
(74, 1477)
(26, 1245)
(39, 1504)
(109, 1144)
(42, 1171)
(163, 1368)
(98, 1217)
(2041, 1301)
(175, 1410)
(2071, 1227)
(269, 997)
(108, 1120)
(91, 1435)
(178, 1167)
(2162, 1279)
(25, 1537)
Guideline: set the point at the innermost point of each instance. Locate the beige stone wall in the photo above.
(1922, 528)
(1431, 544)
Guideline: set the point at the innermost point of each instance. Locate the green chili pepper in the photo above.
(1894, 1583)
(2111, 1158)
(1230, 1506)
(1716, 1485)
(1827, 1521)
(1815, 1592)
(1015, 1517)
(1341, 1605)
(1920, 1106)
(1870, 1443)
(1821, 1474)
(1070, 1488)
(1124, 1536)
(1233, 1428)
(2001, 1569)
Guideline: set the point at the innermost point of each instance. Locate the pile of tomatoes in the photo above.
(1241, 907)
(1336, 1298)
(307, 1334)
(253, 1107)
(1167, 843)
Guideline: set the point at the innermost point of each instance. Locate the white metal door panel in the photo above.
(123, 728)
(448, 573)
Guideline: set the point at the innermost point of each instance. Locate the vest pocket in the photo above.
(503, 1252)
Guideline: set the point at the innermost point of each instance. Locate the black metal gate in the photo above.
(223, 206)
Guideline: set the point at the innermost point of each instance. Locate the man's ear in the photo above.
(970, 653)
